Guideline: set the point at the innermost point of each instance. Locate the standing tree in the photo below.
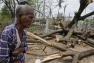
(11, 4)
(59, 4)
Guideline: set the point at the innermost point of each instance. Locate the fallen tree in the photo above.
(68, 52)
(68, 33)
(74, 54)
(56, 45)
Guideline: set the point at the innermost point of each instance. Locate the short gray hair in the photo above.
(23, 9)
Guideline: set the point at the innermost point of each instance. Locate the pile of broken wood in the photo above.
(66, 35)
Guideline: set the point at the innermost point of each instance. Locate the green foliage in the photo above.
(87, 20)
(31, 2)
(32, 28)
(74, 26)
(4, 14)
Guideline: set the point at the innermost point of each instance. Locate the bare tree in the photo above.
(65, 9)
(59, 4)
(11, 4)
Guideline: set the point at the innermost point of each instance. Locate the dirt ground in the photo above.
(36, 51)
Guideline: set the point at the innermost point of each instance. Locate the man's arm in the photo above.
(22, 49)
(25, 44)
(17, 51)
(25, 47)
(4, 49)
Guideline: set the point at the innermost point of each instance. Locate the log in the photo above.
(75, 58)
(48, 38)
(86, 54)
(60, 31)
(32, 41)
(60, 55)
(92, 35)
(75, 55)
(64, 31)
(88, 41)
(37, 37)
(51, 57)
(59, 38)
(52, 44)
(67, 37)
(49, 34)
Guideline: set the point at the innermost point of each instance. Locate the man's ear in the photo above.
(19, 17)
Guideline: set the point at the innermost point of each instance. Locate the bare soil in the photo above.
(36, 51)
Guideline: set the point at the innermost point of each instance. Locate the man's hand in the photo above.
(17, 51)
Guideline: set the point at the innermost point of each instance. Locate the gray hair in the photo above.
(23, 9)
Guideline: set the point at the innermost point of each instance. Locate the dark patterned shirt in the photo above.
(8, 42)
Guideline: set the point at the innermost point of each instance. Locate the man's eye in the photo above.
(31, 17)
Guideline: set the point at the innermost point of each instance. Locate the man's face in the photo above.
(26, 19)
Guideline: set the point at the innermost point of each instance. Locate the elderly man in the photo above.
(13, 38)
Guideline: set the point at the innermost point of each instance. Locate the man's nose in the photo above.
(30, 21)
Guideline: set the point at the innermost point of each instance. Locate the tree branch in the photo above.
(87, 15)
(17, 1)
(83, 5)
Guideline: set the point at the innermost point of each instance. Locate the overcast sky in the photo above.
(73, 6)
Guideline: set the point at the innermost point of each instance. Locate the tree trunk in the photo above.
(76, 55)
(55, 45)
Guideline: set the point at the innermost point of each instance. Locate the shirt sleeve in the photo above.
(25, 44)
(25, 47)
(4, 49)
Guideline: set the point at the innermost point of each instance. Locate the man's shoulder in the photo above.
(9, 28)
